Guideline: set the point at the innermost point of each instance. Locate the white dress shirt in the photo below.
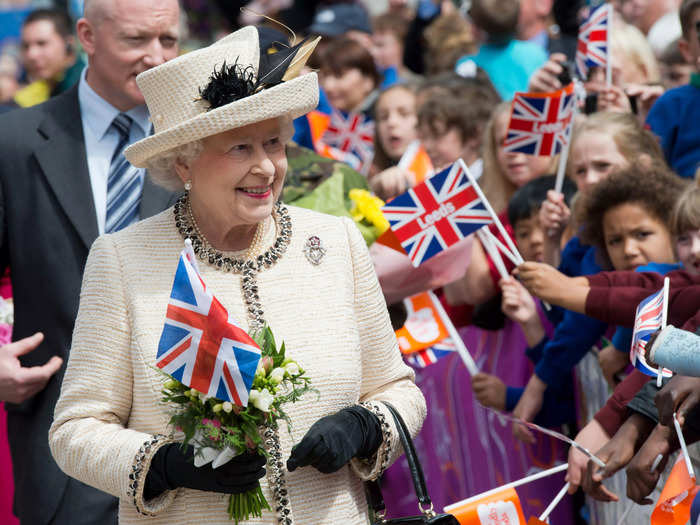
(101, 139)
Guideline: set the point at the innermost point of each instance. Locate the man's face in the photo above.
(132, 37)
(44, 52)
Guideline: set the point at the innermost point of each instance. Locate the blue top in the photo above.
(674, 119)
(622, 339)
(302, 129)
(509, 64)
(576, 333)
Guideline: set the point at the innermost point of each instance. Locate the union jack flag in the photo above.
(201, 346)
(351, 134)
(423, 358)
(436, 214)
(593, 40)
(540, 123)
(648, 319)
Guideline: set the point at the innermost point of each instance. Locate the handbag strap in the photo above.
(376, 500)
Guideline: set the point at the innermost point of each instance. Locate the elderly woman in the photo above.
(220, 132)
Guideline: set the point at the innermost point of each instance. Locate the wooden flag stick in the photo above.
(564, 155)
(454, 335)
(496, 220)
(684, 448)
(608, 58)
(554, 502)
(664, 320)
(496, 241)
(512, 484)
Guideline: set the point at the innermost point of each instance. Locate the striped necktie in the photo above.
(124, 183)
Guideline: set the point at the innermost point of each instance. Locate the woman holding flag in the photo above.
(222, 115)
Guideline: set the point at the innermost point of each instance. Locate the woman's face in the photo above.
(594, 155)
(396, 121)
(633, 237)
(518, 168)
(346, 91)
(239, 174)
(688, 250)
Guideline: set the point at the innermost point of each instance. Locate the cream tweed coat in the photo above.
(332, 318)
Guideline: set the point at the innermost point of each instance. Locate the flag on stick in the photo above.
(593, 49)
(437, 213)
(540, 123)
(673, 507)
(416, 160)
(650, 317)
(500, 508)
(424, 327)
(201, 346)
(350, 139)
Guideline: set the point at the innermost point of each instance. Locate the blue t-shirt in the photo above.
(674, 119)
(508, 64)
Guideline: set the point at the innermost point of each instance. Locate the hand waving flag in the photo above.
(647, 320)
(201, 346)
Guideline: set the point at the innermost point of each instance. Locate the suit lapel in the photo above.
(63, 160)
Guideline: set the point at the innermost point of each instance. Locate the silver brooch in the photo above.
(313, 250)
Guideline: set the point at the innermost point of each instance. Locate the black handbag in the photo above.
(374, 494)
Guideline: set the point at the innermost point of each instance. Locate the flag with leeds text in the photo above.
(436, 214)
(540, 123)
(648, 319)
(201, 346)
(592, 49)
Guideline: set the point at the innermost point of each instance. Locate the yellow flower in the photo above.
(367, 207)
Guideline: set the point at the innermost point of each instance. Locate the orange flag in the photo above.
(500, 508)
(389, 239)
(416, 160)
(535, 521)
(673, 507)
(424, 325)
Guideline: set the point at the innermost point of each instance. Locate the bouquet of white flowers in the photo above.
(219, 431)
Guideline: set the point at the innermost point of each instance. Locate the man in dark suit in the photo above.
(64, 181)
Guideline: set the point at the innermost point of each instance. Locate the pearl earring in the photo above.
(188, 185)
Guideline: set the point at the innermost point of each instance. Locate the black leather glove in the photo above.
(334, 440)
(173, 467)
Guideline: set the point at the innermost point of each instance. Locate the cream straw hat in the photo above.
(180, 116)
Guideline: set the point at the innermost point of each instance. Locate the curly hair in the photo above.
(652, 186)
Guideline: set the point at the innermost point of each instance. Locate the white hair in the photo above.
(161, 168)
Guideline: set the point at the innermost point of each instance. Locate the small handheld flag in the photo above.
(416, 160)
(673, 507)
(436, 213)
(423, 327)
(201, 346)
(492, 509)
(593, 48)
(540, 123)
(349, 136)
(650, 317)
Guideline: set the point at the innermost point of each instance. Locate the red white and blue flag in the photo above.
(428, 356)
(648, 319)
(540, 123)
(351, 134)
(436, 214)
(201, 346)
(594, 40)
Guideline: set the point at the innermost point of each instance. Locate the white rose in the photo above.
(277, 375)
(292, 369)
(227, 406)
(253, 395)
(263, 400)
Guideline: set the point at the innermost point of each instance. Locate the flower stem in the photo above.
(246, 504)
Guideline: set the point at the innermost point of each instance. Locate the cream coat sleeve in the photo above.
(89, 438)
(385, 377)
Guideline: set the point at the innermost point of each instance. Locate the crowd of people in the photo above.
(129, 126)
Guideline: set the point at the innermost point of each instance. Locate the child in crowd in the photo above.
(675, 69)
(388, 36)
(520, 307)
(674, 117)
(509, 62)
(396, 127)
